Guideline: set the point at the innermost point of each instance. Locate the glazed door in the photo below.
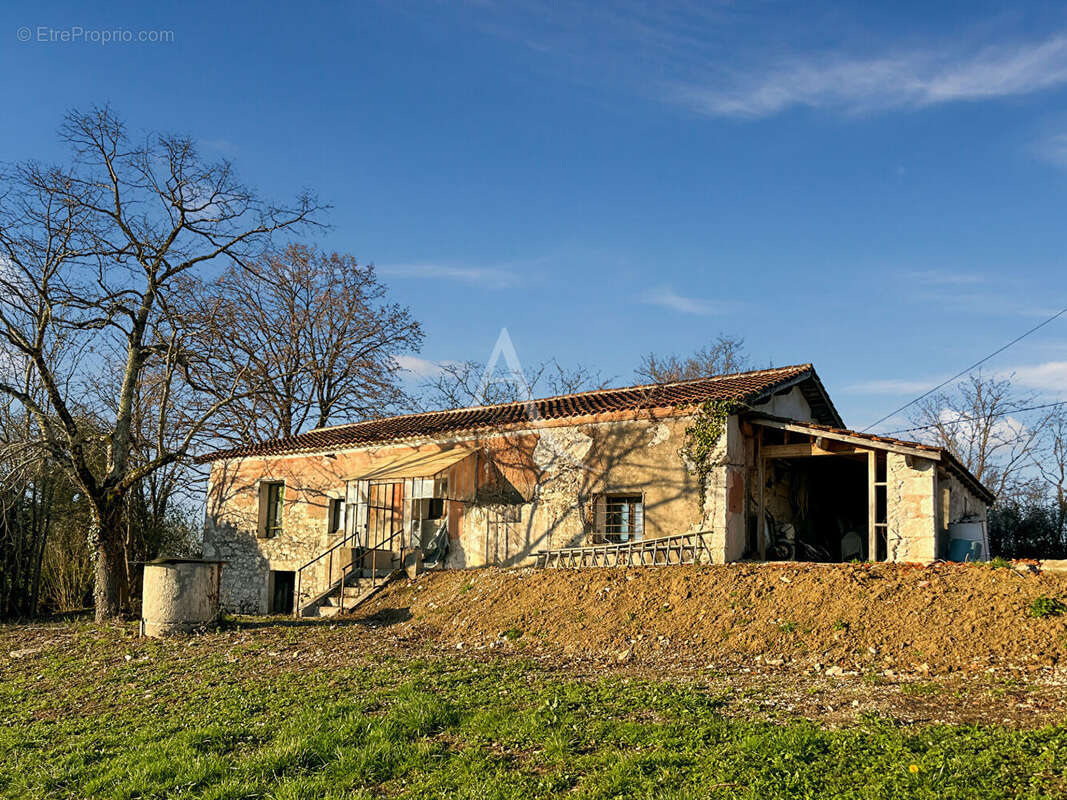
(385, 515)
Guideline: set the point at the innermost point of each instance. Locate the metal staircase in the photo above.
(683, 548)
(350, 575)
(347, 595)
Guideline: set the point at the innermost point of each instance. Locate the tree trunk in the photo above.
(110, 569)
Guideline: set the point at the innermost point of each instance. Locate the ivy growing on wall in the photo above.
(702, 437)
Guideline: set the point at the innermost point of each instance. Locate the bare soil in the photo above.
(886, 619)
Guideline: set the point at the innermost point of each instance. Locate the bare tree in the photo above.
(92, 257)
(982, 423)
(458, 384)
(723, 356)
(310, 338)
(1050, 459)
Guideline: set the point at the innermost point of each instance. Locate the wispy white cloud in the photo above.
(943, 277)
(419, 367)
(1052, 149)
(993, 302)
(1049, 377)
(1044, 378)
(703, 56)
(224, 146)
(1003, 429)
(491, 278)
(666, 297)
(971, 292)
(905, 80)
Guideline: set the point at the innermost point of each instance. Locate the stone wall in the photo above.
(724, 501)
(963, 504)
(910, 508)
(231, 531)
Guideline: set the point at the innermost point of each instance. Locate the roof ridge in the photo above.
(737, 385)
(584, 393)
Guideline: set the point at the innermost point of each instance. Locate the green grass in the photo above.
(1043, 606)
(86, 722)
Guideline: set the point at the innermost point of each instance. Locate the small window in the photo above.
(621, 518)
(435, 508)
(336, 508)
(274, 497)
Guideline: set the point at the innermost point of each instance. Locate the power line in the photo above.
(961, 373)
(972, 419)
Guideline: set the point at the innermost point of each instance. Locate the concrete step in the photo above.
(381, 572)
(353, 593)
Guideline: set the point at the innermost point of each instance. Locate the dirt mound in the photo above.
(891, 618)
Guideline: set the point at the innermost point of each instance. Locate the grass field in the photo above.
(104, 715)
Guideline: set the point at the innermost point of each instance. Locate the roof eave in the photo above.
(800, 373)
(964, 474)
(810, 377)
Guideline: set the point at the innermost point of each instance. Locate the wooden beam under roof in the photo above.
(809, 449)
(860, 442)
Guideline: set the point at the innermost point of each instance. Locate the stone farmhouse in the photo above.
(301, 521)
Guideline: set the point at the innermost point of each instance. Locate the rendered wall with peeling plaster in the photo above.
(557, 471)
(564, 467)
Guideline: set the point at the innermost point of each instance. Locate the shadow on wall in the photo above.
(528, 492)
(572, 466)
(232, 525)
(246, 570)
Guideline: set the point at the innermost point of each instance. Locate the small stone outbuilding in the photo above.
(498, 484)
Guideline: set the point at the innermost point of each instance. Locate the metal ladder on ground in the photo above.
(683, 548)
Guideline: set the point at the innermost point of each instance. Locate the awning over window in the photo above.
(415, 464)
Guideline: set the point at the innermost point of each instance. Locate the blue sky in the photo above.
(882, 191)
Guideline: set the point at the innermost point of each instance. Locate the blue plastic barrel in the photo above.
(964, 550)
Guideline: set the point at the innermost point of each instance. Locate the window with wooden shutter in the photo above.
(272, 507)
(336, 515)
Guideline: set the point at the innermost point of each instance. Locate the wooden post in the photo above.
(872, 506)
(761, 540)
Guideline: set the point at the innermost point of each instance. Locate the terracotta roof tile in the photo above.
(742, 386)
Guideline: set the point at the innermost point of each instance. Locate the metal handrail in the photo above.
(374, 565)
(347, 539)
(345, 569)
